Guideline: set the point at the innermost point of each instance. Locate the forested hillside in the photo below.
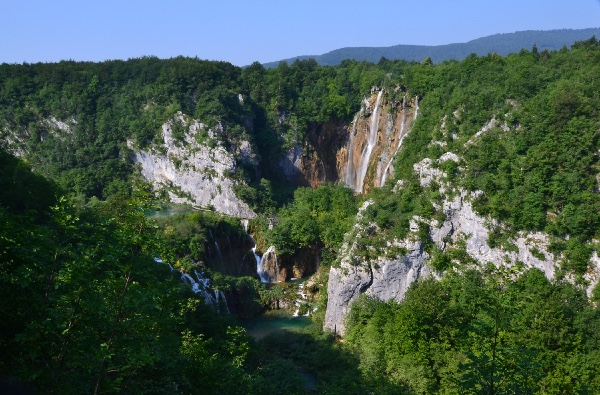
(466, 261)
(504, 44)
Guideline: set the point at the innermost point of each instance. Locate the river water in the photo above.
(272, 322)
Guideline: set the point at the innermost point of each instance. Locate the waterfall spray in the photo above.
(350, 176)
(201, 285)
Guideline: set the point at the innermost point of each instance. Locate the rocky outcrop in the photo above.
(314, 161)
(193, 167)
(230, 254)
(388, 278)
(299, 168)
(16, 139)
(593, 275)
(276, 267)
(382, 278)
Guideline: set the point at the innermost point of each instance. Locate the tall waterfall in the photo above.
(266, 276)
(363, 164)
(218, 250)
(350, 176)
(416, 107)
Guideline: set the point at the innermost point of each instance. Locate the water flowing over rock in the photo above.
(303, 307)
(365, 157)
(360, 154)
(193, 168)
(402, 133)
(201, 285)
(267, 265)
(375, 138)
(269, 270)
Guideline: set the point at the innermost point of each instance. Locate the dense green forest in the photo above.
(87, 308)
(475, 333)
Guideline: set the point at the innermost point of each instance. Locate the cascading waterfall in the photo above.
(271, 252)
(218, 251)
(416, 107)
(302, 300)
(221, 300)
(201, 285)
(350, 176)
(187, 279)
(363, 164)
(263, 274)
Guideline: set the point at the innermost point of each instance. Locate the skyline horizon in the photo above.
(241, 33)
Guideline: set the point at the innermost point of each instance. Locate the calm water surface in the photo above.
(273, 322)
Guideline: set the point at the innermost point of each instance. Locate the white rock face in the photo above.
(593, 275)
(16, 139)
(193, 172)
(389, 278)
(463, 223)
(384, 278)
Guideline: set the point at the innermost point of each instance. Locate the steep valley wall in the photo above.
(389, 275)
(193, 169)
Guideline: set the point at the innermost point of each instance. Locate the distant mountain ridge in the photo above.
(502, 43)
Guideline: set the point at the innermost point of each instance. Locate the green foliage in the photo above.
(74, 118)
(315, 217)
(536, 162)
(441, 261)
(87, 309)
(20, 189)
(474, 333)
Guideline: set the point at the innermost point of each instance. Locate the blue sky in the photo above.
(241, 32)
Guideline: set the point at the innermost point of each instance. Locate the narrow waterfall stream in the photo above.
(302, 305)
(363, 164)
(263, 274)
(201, 285)
(350, 176)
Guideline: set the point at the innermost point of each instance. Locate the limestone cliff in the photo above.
(388, 276)
(193, 166)
(314, 161)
